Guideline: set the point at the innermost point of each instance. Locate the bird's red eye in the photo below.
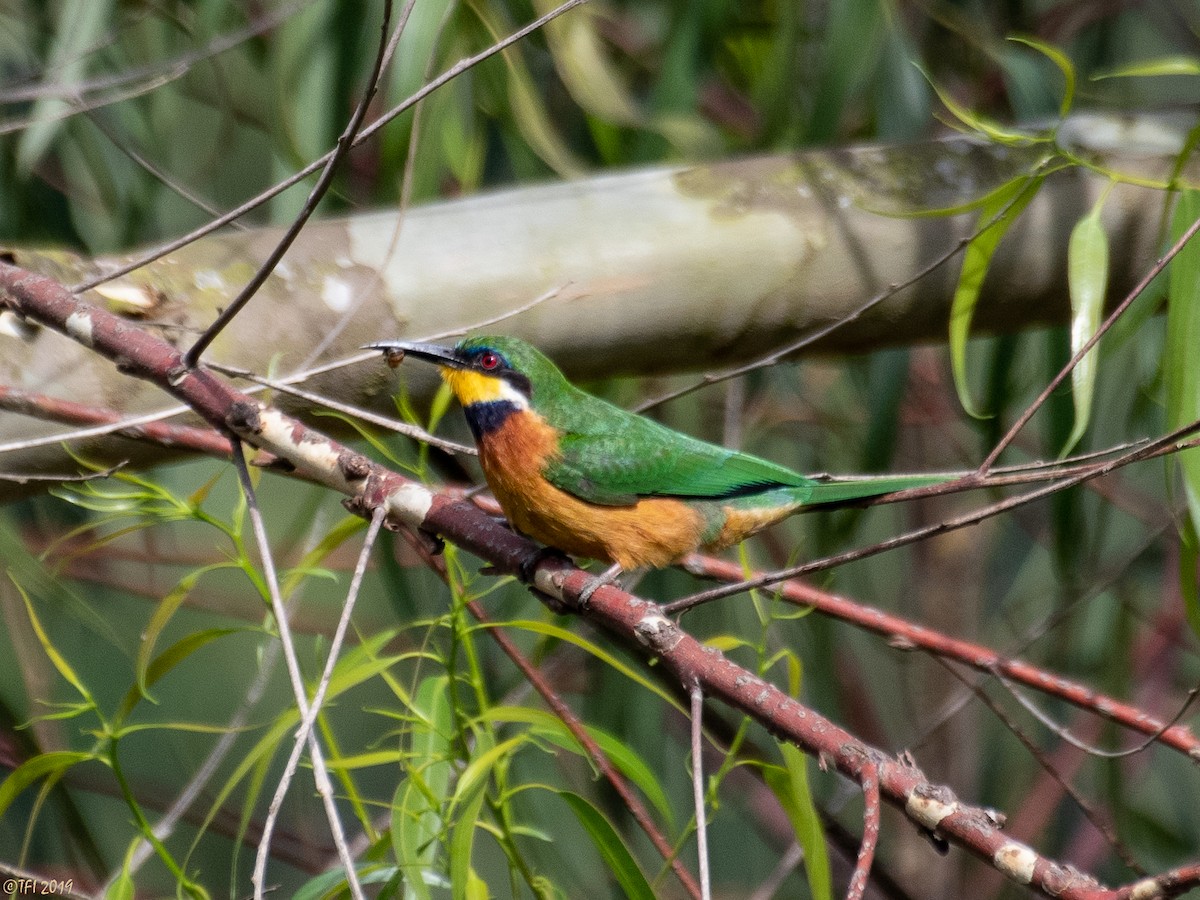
(489, 360)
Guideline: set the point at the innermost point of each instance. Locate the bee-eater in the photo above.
(594, 480)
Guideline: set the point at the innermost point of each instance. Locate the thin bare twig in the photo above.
(1037, 753)
(1107, 324)
(344, 144)
(412, 431)
(23, 478)
(316, 165)
(778, 354)
(406, 183)
(696, 694)
(1168, 443)
(320, 772)
(904, 634)
(1038, 713)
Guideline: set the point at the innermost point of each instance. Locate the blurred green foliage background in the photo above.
(126, 123)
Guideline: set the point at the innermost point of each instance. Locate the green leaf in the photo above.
(1087, 279)
(791, 788)
(1002, 207)
(479, 769)
(54, 763)
(122, 888)
(1163, 65)
(56, 658)
(80, 28)
(365, 760)
(1181, 362)
(549, 727)
(336, 536)
(327, 884)
(167, 607)
(464, 883)
(419, 799)
(616, 855)
(1064, 64)
(1189, 558)
(991, 130)
(595, 650)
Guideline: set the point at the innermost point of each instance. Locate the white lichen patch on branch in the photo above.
(1016, 861)
(928, 810)
(12, 325)
(1148, 889)
(658, 632)
(410, 503)
(313, 454)
(319, 458)
(79, 327)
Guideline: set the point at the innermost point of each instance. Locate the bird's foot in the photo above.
(433, 542)
(528, 566)
(608, 576)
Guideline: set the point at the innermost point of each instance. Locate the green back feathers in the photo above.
(612, 457)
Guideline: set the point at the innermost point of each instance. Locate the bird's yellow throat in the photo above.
(472, 387)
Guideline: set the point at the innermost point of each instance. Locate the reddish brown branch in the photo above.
(630, 618)
(870, 838)
(54, 409)
(911, 636)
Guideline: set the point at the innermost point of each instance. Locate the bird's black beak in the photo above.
(395, 351)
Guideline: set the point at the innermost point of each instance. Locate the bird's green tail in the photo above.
(844, 490)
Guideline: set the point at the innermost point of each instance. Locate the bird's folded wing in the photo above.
(645, 459)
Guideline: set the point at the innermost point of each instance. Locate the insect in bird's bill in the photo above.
(593, 480)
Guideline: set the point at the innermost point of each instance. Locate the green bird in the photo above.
(593, 480)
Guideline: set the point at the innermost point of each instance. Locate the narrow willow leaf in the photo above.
(334, 538)
(121, 888)
(1163, 65)
(527, 104)
(365, 760)
(1189, 558)
(791, 788)
(80, 28)
(581, 58)
(616, 855)
(991, 130)
(1181, 362)
(53, 763)
(465, 805)
(333, 882)
(166, 608)
(1064, 64)
(419, 799)
(464, 883)
(549, 727)
(58, 660)
(1087, 279)
(609, 659)
(474, 777)
(1002, 207)
(477, 888)
(164, 663)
